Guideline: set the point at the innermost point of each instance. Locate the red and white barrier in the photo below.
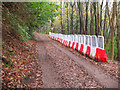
(100, 52)
(86, 42)
(79, 42)
(89, 45)
(93, 46)
(72, 40)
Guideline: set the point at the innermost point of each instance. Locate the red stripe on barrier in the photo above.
(101, 55)
(81, 48)
(69, 43)
(57, 39)
(66, 42)
(53, 37)
(63, 41)
(77, 44)
(88, 50)
(73, 44)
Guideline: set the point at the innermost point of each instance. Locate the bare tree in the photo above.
(82, 19)
(67, 18)
(77, 18)
(78, 3)
(91, 21)
(112, 30)
(110, 25)
(104, 27)
(118, 30)
(101, 14)
(96, 28)
(72, 5)
(61, 17)
(86, 25)
(98, 20)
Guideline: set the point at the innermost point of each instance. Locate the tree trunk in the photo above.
(92, 21)
(82, 19)
(72, 18)
(112, 31)
(101, 15)
(78, 3)
(118, 31)
(61, 19)
(104, 28)
(67, 18)
(98, 20)
(77, 19)
(86, 25)
(109, 23)
(96, 29)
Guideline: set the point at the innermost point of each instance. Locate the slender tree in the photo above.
(61, 17)
(98, 20)
(67, 17)
(118, 30)
(112, 30)
(96, 28)
(77, 18)
(86, 25)
(78, 3)
(91, 21)
(110, 25)
(82, 19)
(101, 14)
(72, 5)
(104, 27)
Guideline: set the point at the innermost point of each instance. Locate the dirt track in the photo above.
(61, 68)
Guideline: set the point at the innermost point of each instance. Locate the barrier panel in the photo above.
(93, 46)
(76, 41)
(72, 40)
(79, 42)
(69, 41)
(100, 52)
(82, 43)
(73, 43)
(86, 42)
(65, 40)
(90, 45)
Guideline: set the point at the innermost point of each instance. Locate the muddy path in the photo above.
(49, 77)
(61, 68)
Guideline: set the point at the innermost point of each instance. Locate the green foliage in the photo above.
(8, 66)
(42, 12)
(25, 18)
(108, 48)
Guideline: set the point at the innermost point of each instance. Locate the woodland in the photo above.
(88, 18)
(21, 21)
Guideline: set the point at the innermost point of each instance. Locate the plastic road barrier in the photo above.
(89, 45)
